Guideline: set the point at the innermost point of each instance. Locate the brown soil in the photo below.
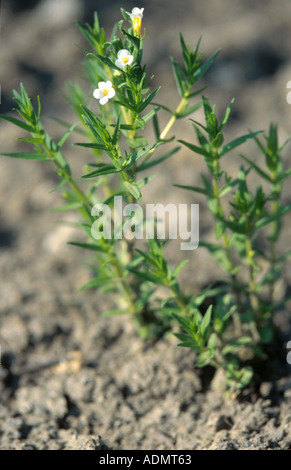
(110, 389)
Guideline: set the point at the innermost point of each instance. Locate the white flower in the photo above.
(104, 92)
(136, 12)
(136, 16)
(124, 58)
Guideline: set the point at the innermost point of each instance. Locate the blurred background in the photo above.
(42, 47)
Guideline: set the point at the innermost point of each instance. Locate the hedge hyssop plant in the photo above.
(111, 127)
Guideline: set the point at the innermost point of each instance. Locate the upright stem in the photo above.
(219, 208)
(253, 288)
(182, 105)
(129, 294)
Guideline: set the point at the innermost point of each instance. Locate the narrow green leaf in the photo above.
(236, 142)
(91, 146)
(62, 162)
(125, 15)
(67, 207)
(285, 174)
(196, 189)
(148, 100)
(236, 344)
(138, 142)
(187, 342)
(116, 132)
(180, 267)
(66, 135)
(66, 124)
(188, 111)
(125, 104)
(28, 156)
(181, 79)
(156, 127)
(195, 148)
(133, 189)
(17, 122)
(165, 108)
(150, 164)
(115, 312)
(87, 246)
(206, 322)
(97, 282)
(62, 183)
(103, 170)
(140, 153)
(262, 173)
(268, 219)
(226, 115)
(146, 276)
(219, 230)
(203, 69)
(105, 61)
(32, 140)
(197, 92)
(151, 114)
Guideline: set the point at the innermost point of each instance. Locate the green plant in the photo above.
(240, 318)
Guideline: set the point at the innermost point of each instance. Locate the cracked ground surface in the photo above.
(121, 393)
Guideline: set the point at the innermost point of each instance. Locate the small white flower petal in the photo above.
(124, 58)
(104, 92)
(96, 93)
(122, 53)
(111, 93)
(102, 85)
(119, 64)
(137, 12)
(103, 100)
(136, 17)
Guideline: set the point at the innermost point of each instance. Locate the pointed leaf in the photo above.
(97, 282)
(66, 135)
(148, 100)
(188, 111)
(146, 276)
(180, 267)
(87, 246)
(150, 164)
(91, 146)
(226, 115)
(203, 69)
(103, 170)
(195, 148)
(206, 322)
(268, 219)
(236, 142)
(180, 77)
(133, 189)
(68, 207)
(17, 122)
(28, 156)
(192, 188)
(262, 173)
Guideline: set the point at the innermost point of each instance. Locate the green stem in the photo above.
(255, 304)
(219, 209)
(129, 294)
(182, 105)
